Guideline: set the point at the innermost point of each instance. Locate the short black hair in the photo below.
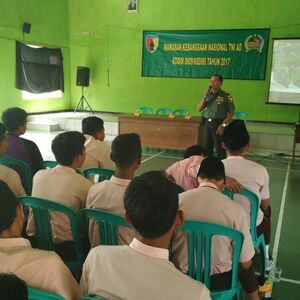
(151, 202)
(8, 206)
(194, 150)
(212, 168)
(13, 118)
(125, 149)
(219, 76)
(2, 132)
(66, 146)
(12, 287)
(235, 136)
(92, 125)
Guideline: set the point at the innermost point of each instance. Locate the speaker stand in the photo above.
(81, 104)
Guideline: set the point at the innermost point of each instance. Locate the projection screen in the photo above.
(285, 72)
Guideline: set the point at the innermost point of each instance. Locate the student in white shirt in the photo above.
(142, 269)
(40, 269)
(184, 172)
(207, 204)
(252, 175)
(126, 152)
(63, 185)
(97, 151)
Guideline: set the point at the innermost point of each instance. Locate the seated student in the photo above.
(15, 120)
(38, 268)
(97, 152)
(208, 204)
(12, 287)
(142, 270)
(63, 185)
(184, 172)
(194, 150)
(126, 152)
(251, 174)
(9, 175)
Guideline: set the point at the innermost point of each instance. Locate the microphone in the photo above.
(208, 91)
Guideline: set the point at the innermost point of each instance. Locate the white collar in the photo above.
(147, 250)
(7, 243)
(208, 184)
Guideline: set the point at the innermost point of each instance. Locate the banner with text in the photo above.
(234, 54)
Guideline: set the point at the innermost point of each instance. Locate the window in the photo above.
(39, 70)
(41, 96)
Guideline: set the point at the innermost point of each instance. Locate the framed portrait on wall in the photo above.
(132, 6)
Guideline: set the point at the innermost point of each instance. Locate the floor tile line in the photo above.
(173, 157)
(281, 169)
(276, 169)
(284, 279)
(155, 155)
(290, 280)
(279, 225)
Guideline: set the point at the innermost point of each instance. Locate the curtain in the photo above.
(39, 70)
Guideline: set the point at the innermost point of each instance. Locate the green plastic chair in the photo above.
(258, 241)
(181, 112)
(100, 173)
(43, 231)
(180, 189)
(200, 243)
(49, 164)
(164, 111)
(108, 224)
(147, 110)
(21, 165)
(241, 115)
(35, 294)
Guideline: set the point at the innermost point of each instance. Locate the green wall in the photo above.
(101, 34)
(50, 26)
(104, 37)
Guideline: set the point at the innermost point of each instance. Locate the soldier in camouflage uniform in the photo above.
(218, 110)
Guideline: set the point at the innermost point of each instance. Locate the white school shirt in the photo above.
(253, 176)
(40, 269)
(185, 171)
(62, 185)
(207, 204)
(108, 195)
(97, 154)
(135, 272)
(12, 179)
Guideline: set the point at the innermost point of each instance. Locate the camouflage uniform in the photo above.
(217, 106)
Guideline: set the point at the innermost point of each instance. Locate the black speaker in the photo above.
(26, 27)
(83, 76)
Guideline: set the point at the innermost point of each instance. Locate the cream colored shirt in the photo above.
(12, 179)
(97, 154)
(108, 195)
(207, 204)
(253, 176)
(62, 185)
(137, 272)
(38, 268)
(185, 171)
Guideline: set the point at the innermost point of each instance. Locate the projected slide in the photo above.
(285, 73)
